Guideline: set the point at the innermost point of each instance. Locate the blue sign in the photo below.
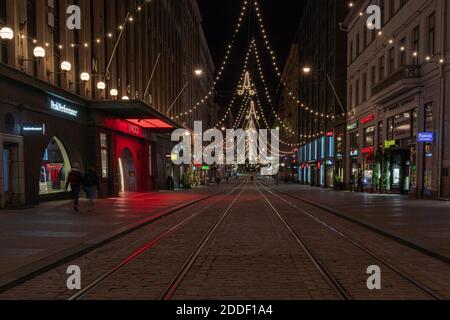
(426, 137)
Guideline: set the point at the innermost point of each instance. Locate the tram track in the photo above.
(418, 285)
(90, 288)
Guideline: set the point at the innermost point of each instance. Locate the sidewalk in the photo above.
(31, 239)
(425, 223)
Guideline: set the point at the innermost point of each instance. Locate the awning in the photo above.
(136, 112)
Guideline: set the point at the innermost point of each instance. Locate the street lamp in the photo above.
(6, 33)
(198, 72)
(39, 52)
(114, 92)
(307, 70)
(85, 76)
(101, 85)
(66, 66)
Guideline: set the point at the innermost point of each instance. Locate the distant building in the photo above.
(398, 97)
(71, 96)
(320, 118)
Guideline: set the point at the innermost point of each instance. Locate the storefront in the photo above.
(45, 132)
(316, 161)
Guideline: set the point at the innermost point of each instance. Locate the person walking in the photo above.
(75, 180)
(360, 183)
(352, 183)
(90, 183)
(170, 183)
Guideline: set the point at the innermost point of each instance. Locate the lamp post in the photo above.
(198, 72)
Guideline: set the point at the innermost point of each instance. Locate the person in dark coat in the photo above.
(360, 183)
(352, 183)
(90, 183)
(170, 183)
(75, 181)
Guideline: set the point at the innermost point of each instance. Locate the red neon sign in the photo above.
(368, 150)
(367, 119)
(330, 134)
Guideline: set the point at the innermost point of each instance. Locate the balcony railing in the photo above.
(404, 72)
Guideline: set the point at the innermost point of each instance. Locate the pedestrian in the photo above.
(352, 183)
(218, 181)
(90, 184)
(75, 180)
(170, 183)
(360, 183)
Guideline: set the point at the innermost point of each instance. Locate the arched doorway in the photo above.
(127, 172)
(55, 167)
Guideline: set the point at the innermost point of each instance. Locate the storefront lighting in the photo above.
(101, 85)
(6, 33)
(39, 52)
(66, 66)
(114, 92)
(125, 98)
(198, 72)
(85, 76)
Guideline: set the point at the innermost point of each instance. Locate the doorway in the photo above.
(11, 173)
(127, 172)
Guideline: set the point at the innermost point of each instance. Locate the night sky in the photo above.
(281, 19)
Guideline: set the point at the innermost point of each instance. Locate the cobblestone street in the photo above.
(245, 240)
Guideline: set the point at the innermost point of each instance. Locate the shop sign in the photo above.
(329, 162)
(389, 144)
(31, 129)
(205, 167)
(369, 118)
(330, 134)
(352, 126)
(354, 153)
(368, 150)
(426, 137)
(340, 155)
(62, 108)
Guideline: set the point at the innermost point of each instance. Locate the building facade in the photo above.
(105, 96)
(322, 92)
(289, 112)
(398, 94)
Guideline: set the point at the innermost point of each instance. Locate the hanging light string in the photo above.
(242, 112)
(228, 112)
(223, 64)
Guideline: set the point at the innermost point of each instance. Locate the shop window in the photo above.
(402, 126)
(104, 155)
(55, 168)
(369, 137)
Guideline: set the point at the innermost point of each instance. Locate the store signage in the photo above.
(368, 150)
(367, 119)
(354, 153)
(352, 126)
(62, 108)
(330, 134)
(205, 167)
(340, 155)
(426, 137)
(389, 144)
(329, 162)
(38, 129)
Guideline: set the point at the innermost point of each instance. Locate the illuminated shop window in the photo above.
(55, 168)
